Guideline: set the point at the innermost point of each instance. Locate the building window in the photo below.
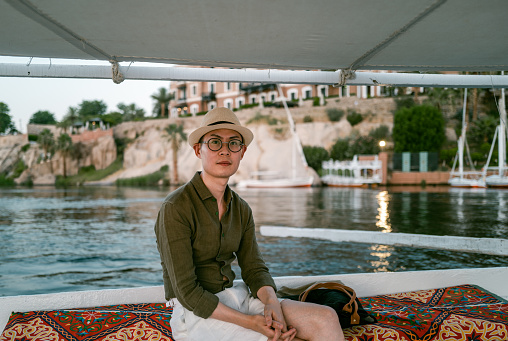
(228, 103)
(194, 90)
(252, 99)
(194, 109)
(211, 86)
(239, 102)
(293, 94)
(212, 105)
(228, 86)
(323, 90)
(307, 92)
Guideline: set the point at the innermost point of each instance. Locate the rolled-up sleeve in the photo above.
(174, 235)
(254, 271)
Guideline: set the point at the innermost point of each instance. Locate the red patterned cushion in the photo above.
(463, 313)
(121, 322)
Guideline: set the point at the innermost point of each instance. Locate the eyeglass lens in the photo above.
(215, 144)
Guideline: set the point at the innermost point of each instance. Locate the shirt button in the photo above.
(222, 235)
(216, 213)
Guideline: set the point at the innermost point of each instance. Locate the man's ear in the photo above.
(197, 150)
(244, 149)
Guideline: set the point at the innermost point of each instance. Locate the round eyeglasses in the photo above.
(215, 144)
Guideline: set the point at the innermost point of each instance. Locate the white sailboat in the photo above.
(462, 178)
(274, 179)
(499, 179)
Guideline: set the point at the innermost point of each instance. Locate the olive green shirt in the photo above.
(197, 248)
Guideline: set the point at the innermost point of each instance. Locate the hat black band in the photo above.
(220, 122)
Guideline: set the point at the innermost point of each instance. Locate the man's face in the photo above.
(221, 163)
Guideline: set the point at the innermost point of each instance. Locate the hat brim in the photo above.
(246, 133)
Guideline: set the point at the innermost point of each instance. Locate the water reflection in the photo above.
(383, 254)
(383, 218)
(88, 238)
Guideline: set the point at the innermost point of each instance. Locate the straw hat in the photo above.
(220, 118)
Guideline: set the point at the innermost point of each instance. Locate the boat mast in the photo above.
(295, 140)
(462, 137)
(502, 134)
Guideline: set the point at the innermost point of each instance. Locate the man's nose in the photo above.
(224, 149)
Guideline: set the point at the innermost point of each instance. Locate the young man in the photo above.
(201, 228)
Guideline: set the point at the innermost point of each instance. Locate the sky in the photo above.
(26, 96)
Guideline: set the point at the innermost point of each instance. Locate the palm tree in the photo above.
(162, 99)
(65, 146)
(176, 135)
(46, 141)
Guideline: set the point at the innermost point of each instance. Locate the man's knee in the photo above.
(326, 318)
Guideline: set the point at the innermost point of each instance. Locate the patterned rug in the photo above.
(463, 313)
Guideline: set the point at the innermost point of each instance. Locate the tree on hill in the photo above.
(161, 106)
(131, 112)
(46, 141)
(6, 124)
(91, 109)
(175, 134)
(420, 128)
(42, 117)
(65, 146)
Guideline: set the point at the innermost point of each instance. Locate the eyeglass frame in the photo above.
(241, 144)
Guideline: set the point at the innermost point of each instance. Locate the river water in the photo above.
(88, 238)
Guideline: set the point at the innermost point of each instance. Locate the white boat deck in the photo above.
(490, 279)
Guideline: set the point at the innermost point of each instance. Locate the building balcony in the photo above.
(256, 87)
(181, 101)
(207, 97)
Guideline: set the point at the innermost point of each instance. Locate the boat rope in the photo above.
(117, 75)
(345, 74)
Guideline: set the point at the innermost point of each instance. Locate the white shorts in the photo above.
(186, 326)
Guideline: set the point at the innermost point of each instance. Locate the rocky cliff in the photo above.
(149, 148)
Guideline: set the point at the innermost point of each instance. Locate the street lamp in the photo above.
(382, 143)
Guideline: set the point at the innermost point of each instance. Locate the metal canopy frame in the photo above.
(262, 40)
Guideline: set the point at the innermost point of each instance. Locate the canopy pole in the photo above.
(267, 76)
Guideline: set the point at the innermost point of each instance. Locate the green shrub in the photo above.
(18, 169)
(267, 118)
(32, 137)
(354, 118)
(420, 128)
(404, 102)
(315, 156)
(307, 119)
(380, 133)
(5, 181)
(334, 115)
(147, 180)
(340, 150)
(25, 147)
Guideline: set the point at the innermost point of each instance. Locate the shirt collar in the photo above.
(203, 191)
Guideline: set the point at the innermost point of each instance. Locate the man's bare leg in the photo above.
(312, 321)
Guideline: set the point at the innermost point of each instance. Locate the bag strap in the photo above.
(351, 307)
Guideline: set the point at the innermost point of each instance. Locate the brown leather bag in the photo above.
(350, 307)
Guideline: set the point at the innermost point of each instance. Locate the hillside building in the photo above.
(196, 97)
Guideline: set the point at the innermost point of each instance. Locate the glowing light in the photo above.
(382, 143)
(383, 217)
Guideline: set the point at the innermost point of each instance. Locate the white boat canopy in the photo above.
(277, 36)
